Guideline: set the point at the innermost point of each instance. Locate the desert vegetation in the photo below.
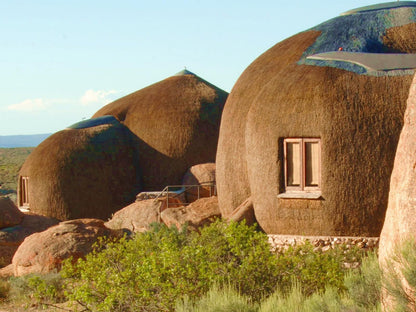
(11, 159)
(223, 267)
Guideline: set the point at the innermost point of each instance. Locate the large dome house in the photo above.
(310, 129)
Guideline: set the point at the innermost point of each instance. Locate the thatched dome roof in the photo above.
(86, 170)
(356, 112)
(176, 122)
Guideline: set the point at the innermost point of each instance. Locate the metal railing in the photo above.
(177, 191)
(180, 192)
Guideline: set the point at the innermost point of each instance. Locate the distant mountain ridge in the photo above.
(31, 140)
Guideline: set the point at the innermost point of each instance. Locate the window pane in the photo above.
(293, 164)
(311, 164)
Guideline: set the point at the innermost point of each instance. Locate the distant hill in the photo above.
(9, 141)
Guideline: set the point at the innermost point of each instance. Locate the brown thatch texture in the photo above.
(397, 38)
(176, 122)
(358, 119)
(80, 173)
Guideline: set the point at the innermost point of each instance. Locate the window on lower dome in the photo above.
(302, 164)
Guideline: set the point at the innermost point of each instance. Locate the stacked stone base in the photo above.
(322, 243)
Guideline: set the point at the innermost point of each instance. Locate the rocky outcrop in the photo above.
(12, 237)
(10, 215)
(138, 216)
(199, 213)
(400, 220)
(44, 252)
(202, 174)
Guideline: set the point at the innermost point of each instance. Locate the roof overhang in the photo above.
(370, 61)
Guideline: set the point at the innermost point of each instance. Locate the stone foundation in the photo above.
(321, 243)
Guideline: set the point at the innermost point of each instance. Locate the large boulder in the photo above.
(12, 237)
(44, 252)
(199, 213)
(202, 175)
(400, 221)
(138, 216)
(10, 215)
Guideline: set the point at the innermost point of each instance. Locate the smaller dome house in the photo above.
(310, 129)
(86, 170)
(143, 141)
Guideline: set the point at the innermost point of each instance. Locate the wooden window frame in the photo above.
(24, 191)
(302, 151)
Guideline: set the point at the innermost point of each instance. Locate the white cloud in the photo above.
(29, 105)
(98, 97)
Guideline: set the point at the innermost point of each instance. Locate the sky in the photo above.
(62, 60)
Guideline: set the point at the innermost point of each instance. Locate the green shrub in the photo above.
(239, 255)
(153, 270)
(313, 270)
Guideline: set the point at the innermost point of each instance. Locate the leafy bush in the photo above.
(238, 255)
(153, 270)
(315, 270)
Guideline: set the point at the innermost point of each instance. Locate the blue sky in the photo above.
(60, 61)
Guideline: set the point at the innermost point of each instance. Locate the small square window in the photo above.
(302, 164)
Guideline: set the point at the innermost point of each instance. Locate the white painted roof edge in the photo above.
(370, 61)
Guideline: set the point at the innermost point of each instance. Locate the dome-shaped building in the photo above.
(86, 170)
(176, 121)
(310, 129)
(143, 141)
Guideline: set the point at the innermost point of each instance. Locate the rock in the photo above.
(7, 271)
(400, 220)
(10, 215)
(243, 212)
(44, 252)
(199, 175)
(12, 237)
(197, 214)
(138, 216)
